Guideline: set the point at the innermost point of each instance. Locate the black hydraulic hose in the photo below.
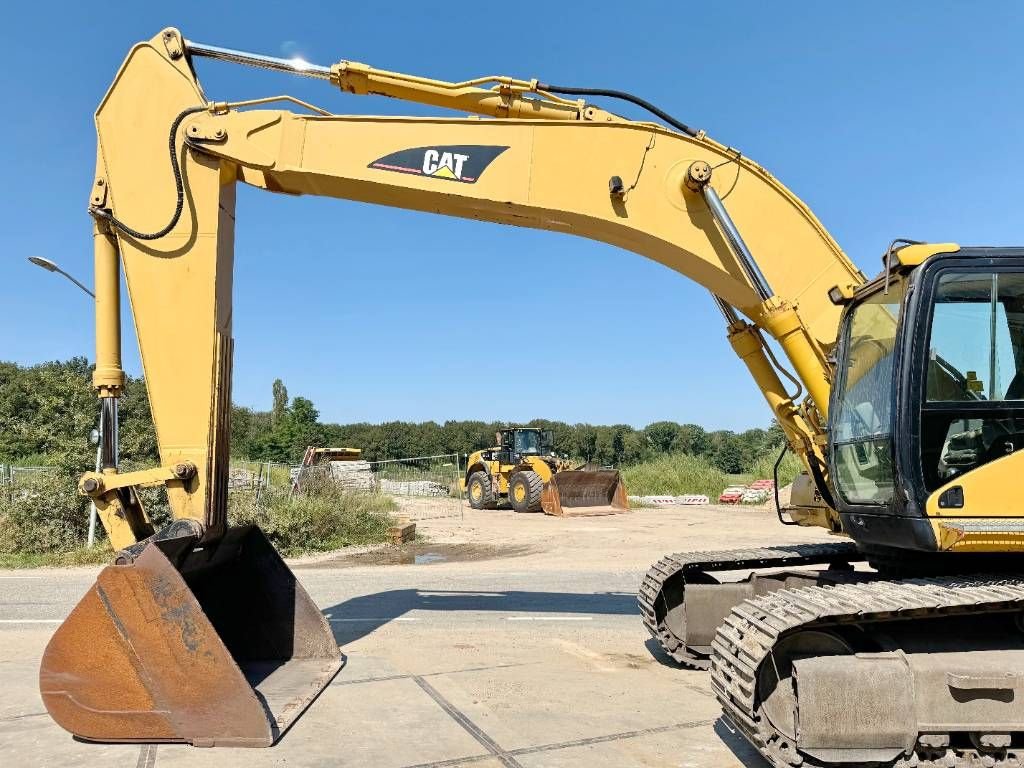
(775, 486)
(819, 481)
(561, 89)
(107, 215)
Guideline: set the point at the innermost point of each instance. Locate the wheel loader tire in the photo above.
(524, 491)
(480, 491)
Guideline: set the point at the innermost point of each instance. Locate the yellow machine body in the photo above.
(523, 470)
(168, 650)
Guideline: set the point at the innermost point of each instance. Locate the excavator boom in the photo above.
(202, 626)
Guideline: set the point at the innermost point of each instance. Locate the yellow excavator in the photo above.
(903, 400)
(523, 469)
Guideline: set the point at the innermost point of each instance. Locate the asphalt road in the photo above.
(519, 660)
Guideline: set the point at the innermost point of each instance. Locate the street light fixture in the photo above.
(50, 266)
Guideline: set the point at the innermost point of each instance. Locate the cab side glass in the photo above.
(973, 410)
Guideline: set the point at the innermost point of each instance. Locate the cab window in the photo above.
(863, 417)
(973, 410)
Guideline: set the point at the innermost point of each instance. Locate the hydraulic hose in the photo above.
(107, 215)
(567, 91)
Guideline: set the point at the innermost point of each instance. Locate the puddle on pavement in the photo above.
(420, 554)
(427, 558)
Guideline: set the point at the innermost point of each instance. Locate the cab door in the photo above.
(965, 388)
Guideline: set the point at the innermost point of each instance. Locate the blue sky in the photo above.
(888, 119)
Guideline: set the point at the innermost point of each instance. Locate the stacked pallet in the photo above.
(414, 487)
(353, 475)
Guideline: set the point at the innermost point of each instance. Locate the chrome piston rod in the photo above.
(294, 66)
(743, 254)
(727, 310)
(109, 449)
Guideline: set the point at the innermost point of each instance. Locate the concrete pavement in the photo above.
(530, 656)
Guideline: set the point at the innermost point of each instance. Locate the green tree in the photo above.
(48, 410)
(729, 455)
(662, 435)
(280, 402)
(585, 442)
(634, 447)
(692, 439)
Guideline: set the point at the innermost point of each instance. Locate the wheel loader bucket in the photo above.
(579, 493)
(216, 645)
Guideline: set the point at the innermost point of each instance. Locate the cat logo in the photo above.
(463, 162)
(445, 165)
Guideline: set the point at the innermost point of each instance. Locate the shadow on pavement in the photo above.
(361, 615)
(660, 655)
(738, 745)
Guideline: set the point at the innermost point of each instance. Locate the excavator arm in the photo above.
(200, 633)
(677, 197)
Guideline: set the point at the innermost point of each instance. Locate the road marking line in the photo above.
(21, 577)
(549, 618)
(376, 618)
(31, 621)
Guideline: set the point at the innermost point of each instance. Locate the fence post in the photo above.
(458, 485)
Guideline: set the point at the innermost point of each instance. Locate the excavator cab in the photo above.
(928, 401)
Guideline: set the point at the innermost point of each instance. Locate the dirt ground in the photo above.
(633, 540)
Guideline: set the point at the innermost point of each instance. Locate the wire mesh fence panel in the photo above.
(11, 475)
(250, 475)
(424, 487)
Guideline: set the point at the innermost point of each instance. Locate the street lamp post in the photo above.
(50, 266)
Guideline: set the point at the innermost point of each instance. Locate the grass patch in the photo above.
(101, 554)
(791, 467)
(679, 474)
(318, 520)
(44, 521)
(42, 514)
(674, 475)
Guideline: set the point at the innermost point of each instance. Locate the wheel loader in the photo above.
(901, 646)
(523, 469)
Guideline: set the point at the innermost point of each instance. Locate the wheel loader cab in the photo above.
(532, 442)
(927, 408)
(514, 444)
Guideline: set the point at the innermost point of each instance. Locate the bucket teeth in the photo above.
(226, 650)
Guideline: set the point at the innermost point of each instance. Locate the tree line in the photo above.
(282, 433)
(47, 411)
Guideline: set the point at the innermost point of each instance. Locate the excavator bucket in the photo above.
(580, 492)
(212, 645)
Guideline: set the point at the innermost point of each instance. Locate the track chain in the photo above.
(749, 633)
(651, 592)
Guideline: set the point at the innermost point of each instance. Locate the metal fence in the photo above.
(249, 475)
(11, 475)
(425, 487)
